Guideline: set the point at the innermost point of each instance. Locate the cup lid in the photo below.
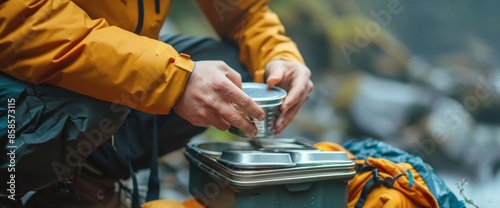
(259, 92)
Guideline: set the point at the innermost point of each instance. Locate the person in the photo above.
(90, 92)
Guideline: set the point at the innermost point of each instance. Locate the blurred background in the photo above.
(422, 76)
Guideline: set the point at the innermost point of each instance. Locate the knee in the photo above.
(104, 120)
(59, 130)
(87, 118)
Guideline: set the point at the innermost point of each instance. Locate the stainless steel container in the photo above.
(318, 184)
(269, 100)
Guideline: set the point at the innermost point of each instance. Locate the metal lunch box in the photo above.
(257, 178)
(269, 100)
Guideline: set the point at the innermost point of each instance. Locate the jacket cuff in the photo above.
(184, 62)
(177, 74)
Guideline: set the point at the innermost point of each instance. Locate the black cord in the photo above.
(154, 181)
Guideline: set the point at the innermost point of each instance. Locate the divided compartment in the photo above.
(316, 157)
(214, 149)
(277, 144)
(268, 154)
(253, 159)
(251, 177)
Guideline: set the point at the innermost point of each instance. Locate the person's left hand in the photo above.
(295, 79)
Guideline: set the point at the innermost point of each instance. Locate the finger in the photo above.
(293, 97)
(233, 117)
(286, 117)
(232, 75)
(300, 89)
(219, 122)
(201, 122)
(244, 102)
(276, 73)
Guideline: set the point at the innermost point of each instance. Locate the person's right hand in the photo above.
(207, 98)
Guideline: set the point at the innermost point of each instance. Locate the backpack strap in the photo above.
(154, 180)
(375, 180)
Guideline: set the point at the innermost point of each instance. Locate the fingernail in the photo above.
(278, 128)
(283, 123)
(284, 108)
(262, 117)
(253, 133)
(279, 121)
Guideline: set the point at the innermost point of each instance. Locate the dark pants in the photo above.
(57, 130)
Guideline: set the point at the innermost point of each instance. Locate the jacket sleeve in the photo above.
(255, 29)
(55, 42)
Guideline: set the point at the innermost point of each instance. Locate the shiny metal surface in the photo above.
(276, 140)
(282, 146)
(269, 100)
(257, 177)
(316, 157)
(276, 144)
(253, 178)
(214, 149)
(263, 96)
(252, 159)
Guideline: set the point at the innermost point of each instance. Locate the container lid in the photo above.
(215, 148)
(311, 167)
(248, 159)
(317, 157)
(260, 93)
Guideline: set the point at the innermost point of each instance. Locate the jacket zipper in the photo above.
(140, 17)
(157, 6)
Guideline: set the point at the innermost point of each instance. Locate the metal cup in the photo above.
(270, 101)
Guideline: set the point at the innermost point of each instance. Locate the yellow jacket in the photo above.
(89, 46)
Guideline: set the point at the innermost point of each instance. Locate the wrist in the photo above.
(192, 71)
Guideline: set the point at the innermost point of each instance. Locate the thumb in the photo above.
(275, 75)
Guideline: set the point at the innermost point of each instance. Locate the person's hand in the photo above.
(207, 98)
(295, 79)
